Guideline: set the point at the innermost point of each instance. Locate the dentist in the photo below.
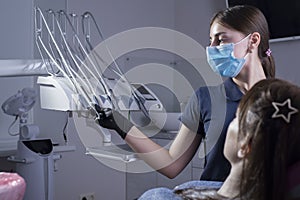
(239, 50)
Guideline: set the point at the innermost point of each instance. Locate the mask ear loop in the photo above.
(243, 39)
(248, 49)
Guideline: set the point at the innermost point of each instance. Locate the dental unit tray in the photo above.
(120, 152)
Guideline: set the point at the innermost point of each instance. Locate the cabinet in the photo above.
(139, 177)
(138, 183)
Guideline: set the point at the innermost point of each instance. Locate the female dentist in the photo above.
(239, 50)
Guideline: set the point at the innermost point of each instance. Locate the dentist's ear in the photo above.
(254, 41)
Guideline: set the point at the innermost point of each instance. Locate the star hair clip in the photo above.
(284, 106)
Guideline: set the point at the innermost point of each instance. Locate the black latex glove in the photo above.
(113, 120)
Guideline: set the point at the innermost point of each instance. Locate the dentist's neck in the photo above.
(250, 74)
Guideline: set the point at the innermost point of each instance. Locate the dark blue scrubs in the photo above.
(209, 112)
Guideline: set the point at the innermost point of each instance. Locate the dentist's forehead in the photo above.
(217, 30)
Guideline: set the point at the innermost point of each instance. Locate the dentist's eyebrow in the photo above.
(217, 35)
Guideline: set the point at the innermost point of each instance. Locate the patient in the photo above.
(262, 143)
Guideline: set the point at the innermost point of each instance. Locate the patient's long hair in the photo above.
(274, 142)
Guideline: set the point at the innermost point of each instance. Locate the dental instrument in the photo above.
(66, 73)
(139, 99)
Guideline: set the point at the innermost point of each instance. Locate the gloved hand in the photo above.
(113, 120)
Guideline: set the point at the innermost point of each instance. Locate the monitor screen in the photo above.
(283, 16)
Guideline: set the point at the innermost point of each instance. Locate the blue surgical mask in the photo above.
(222, 61)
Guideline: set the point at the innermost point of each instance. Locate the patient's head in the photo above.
(268, 137)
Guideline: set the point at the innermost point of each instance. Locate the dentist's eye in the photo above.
(222, 41)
